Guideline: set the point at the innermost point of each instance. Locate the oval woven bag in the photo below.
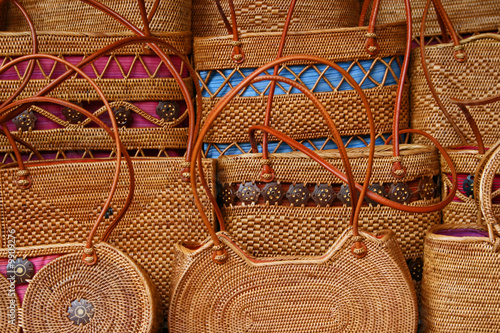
(461, 268)
(468, 16)
(139, 80)
(92, 286)
(219, 287)
(460, 69)
(377, 72)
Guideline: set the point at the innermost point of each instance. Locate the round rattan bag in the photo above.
(90, 287)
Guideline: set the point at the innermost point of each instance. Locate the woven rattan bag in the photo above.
(461, 267)
(469, 163)
(138, 80)
(91, 285)
(464, 69)
(160, 215)
(288, 208)
(377, 71)
(469, 16)
(220, 287)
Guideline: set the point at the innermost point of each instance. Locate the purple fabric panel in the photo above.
(462, 233)
(132, 67)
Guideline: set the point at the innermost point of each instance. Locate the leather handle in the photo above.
(253, 77)
(372, 46)
(144, 17)
(89, 256)
(237, 55)
(267, 174)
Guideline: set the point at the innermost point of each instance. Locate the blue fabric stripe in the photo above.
(309, 77)
(284, 148)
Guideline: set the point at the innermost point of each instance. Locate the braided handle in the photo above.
(485, 192)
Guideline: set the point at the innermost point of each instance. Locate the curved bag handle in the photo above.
(486, 196)
(359, 248)
(89, 255)
(237, 55)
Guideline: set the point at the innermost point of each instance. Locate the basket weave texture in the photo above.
(6, 305)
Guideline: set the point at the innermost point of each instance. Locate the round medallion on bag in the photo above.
(427, 188)
(80, 312)
(25, 121)
(123, 116)
(468, 186)
(377, 188)
(21, 270)
(298, 194)
(400, 192)
(73, 116)
(248, 193)
(227, 195)
(273, 193)
(168, 110)
(323, 195)
(344, 194)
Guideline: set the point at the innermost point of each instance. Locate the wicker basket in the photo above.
(134, 78)
(55, 15)
(470, 77)
(378, 76)
(468, 16)
(9, 303)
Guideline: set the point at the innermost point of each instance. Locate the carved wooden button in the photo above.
(323, 195)
(25, 121)
(273, 193)
(21, 269)
(468, 186)
(80, 312)
(123, 116)
(400, 192)
(427, 188)
(168, 110)
(416, 267)
(227, 195)
(344, 194)
(248, 193)
(73, 116)
(298, 195)
(377, 188)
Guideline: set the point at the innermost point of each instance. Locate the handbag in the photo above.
(468, 16)
(219, 287)
(460, 69)
(152, 225)
(377, 72)
(459, 284)
(140, 82)
(92, 286)
(263, 214)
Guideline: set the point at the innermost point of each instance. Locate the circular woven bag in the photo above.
(92, 287)
(114, 295)
(9, 303)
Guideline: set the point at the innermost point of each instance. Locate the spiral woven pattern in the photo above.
(121, 294)
(332, 293)
(5, 303)
(460, 283)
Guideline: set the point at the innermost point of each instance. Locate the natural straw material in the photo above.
(270, 15)
(475, 78)
(69, 196)
(115, 287)
(274, 230)
(334, 292)
(468, 16)
(77, 16)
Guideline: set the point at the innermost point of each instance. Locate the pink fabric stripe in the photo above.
(463, 177)
(38, 263)
(149, 107)
(113, 70)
